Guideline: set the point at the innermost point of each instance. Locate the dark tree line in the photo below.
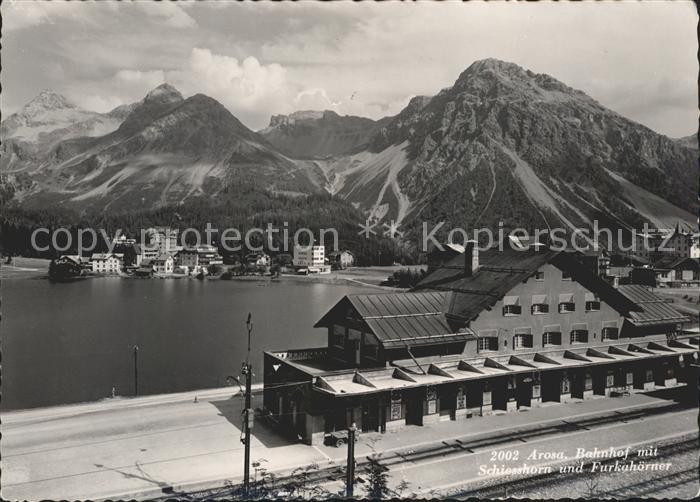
(243, 208)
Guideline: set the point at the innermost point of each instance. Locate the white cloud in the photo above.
(18, 15)
(125, 86)
(251, 90)
(366, 59)
(314, 99)
(169, 13)
(147, 79)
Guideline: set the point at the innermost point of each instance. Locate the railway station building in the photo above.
(482, 333)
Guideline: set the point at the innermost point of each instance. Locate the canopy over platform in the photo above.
(455, 369)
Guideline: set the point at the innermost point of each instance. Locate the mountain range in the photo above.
(501, 144)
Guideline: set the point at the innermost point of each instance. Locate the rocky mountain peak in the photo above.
(46, 101)
(164, 93)
(493, 77)
(417, 103)
(301, 116)
(495, 65)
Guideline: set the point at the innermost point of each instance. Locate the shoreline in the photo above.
(37, 268)
(109, 403)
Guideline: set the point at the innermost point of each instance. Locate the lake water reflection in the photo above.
(67, 343)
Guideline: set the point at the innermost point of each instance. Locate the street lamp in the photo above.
(136, 370)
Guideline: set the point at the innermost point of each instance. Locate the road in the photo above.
(150, 446)
(138, 447)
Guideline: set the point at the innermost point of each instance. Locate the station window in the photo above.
(592, 303)
(511, 306)
(579, 336)
(370, 346)
(338, 336)
(509, 310)
(540, 304)
(522, 341)
(551, 338)
(609, 334)
(539, 308)
(539, 275)
(487, 343)
(567, 307)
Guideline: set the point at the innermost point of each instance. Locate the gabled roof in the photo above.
(500, 271)
(673, 262)
(651, 309)
(338, 253)
(102, 256)
(75, 258)
(398, 319)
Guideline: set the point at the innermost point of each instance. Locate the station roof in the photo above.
(499, 271)
(398, 319)
(420, 372)
(651, 309)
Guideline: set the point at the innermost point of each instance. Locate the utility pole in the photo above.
(136, 370)
(350, 470)
(247, 412)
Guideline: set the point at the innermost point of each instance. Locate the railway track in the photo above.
(467, 444)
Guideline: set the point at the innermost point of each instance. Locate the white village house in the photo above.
(164, 264)
(107, 263)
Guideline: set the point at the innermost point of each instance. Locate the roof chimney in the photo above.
(471, 258)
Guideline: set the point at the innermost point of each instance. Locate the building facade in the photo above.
(657, 243)
(677, 272)
(258, 259)
(198, 259)
(163, 264)
(695, 246)
(503, 331)
(341, 260)
(311, 258)
(107, 263)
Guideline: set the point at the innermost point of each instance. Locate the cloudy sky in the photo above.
(258, 59)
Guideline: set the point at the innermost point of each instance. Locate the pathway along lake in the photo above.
(72, 342)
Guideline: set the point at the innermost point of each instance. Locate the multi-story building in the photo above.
(145, 254)
(107, 263)
(188, 258)
(258, 259)
(122, 240)
(164, 240)
(502, 331)
(695, 246)
(656, 243)
(164, 264)
(311, 258)
(209, 255)
(200, 258)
